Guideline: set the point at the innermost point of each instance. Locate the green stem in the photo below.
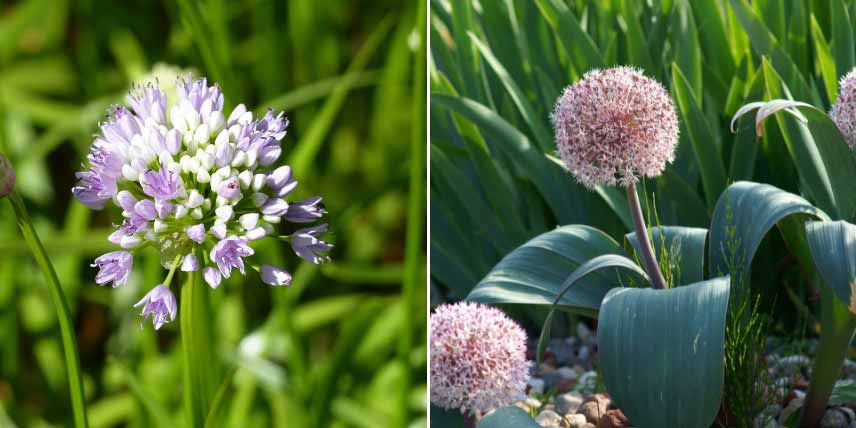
(66, 326)
(171, 273)
(646, 250)
(838, 326)
(200, 369)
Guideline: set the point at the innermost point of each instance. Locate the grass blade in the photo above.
(305, 152)
(66, 326)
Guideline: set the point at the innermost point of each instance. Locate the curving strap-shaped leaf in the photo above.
(833, 249)
(508, 417)
(684, 247)
(605, 261)
(534, 272)
(743, 215)
(661, 352)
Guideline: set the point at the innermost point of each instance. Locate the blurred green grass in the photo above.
(319, 353)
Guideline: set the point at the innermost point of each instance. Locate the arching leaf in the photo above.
(649, 341)
(605, 261)
(833, 249)
(534, 272)
(743, 215)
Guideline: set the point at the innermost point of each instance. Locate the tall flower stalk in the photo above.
(613, 126)
(66, 325)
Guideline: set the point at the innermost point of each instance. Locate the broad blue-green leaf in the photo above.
(508, 417)
(535, 272)
(605, 261)
(833, 249)
(743, 215)
(685, 248)
(650, 341)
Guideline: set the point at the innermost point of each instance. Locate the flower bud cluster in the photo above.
(196, 184)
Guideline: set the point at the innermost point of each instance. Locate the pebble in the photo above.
(567, 373)
(532, 402)
(594, 407)
(536, 385)
(584, 353)
(576, 421)
(583, 332)
(834, 418)
(614, 419)
(569, 403)
(548, 418)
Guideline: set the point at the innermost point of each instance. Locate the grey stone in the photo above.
(834, 418)
(584, 353)
(567, 373)
(532, 402)
(851, 415)
(569, 403)
(583, 332)
(576, 421)
(548, 418)
(536, 385)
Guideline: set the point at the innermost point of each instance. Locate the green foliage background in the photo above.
(332, 350)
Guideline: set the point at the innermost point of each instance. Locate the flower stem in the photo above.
(66, 326)
(200, 370)
(646, 250)
(172, 269)
(838, 325)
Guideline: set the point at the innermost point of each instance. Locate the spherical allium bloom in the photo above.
(843, 111)
(197, 185)
(615, 125)
(478, 358)
(7, 176)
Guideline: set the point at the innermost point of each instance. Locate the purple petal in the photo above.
(196, 233)
(190, 263)
(273, 275)
(212, 276)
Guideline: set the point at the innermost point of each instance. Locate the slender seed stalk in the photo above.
(66, 326)
(646, 250)
(838, 328)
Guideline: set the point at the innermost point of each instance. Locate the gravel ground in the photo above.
(565, 392)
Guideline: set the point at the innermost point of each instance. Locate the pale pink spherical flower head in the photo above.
(615, 125)
(478, 358)
(844, 109)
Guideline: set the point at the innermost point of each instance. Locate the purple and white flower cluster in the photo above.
(197, 185)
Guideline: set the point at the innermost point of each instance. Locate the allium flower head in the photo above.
(478, 358)
(615, 125)
(7, 176)
(844, 109)
(196, 183)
